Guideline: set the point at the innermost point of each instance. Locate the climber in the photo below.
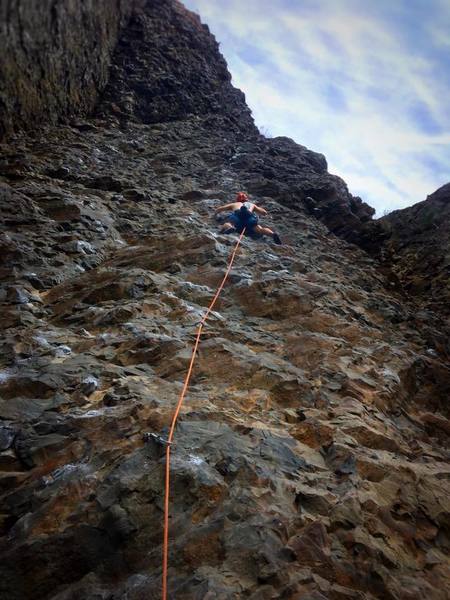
(242, 217)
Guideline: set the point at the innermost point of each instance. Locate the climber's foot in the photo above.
(277, 239)
(228, 230)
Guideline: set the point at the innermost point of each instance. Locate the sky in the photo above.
(365, 82)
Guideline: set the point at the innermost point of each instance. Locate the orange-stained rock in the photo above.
(310, 458)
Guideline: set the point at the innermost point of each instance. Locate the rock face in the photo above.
(311, 456)
(167, 66)
(55, 57)
(418, 248)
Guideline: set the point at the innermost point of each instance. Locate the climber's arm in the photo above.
(224, 207)
(261, 211)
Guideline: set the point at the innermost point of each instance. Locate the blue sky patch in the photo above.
(424, 120)
(365, 83)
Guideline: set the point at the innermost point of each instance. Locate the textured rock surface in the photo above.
(55, 57)
(418, 249)
(311, 458)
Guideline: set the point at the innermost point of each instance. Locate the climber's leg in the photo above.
(267, 231)
(262, 230)
(227, 228)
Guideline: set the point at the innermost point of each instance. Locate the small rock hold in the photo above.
(60, 173)
(89, 385)
(17, 295)
(85, 333)
(63, 350)
(34, 280)
(136, 195)
(7, 435)
(78, 247)
(193, 195)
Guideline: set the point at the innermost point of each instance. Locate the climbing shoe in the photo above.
(277, 239)
(229, 230)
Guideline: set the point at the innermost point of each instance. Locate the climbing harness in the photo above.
(168, 442)
(245, 217)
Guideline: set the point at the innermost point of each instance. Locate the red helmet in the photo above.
(241, 197)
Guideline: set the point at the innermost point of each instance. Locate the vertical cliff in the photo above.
(418, 249)
(311, 457)
(55, 57)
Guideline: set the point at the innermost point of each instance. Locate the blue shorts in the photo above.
(240, 224)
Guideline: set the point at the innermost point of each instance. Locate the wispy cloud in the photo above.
(365, 83)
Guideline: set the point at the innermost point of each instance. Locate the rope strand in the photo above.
(176, 413)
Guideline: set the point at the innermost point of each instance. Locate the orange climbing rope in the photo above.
(177, 411)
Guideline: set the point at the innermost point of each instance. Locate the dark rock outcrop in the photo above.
(417, 248)
(168, 67)
(311, 457)
(55, 58)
